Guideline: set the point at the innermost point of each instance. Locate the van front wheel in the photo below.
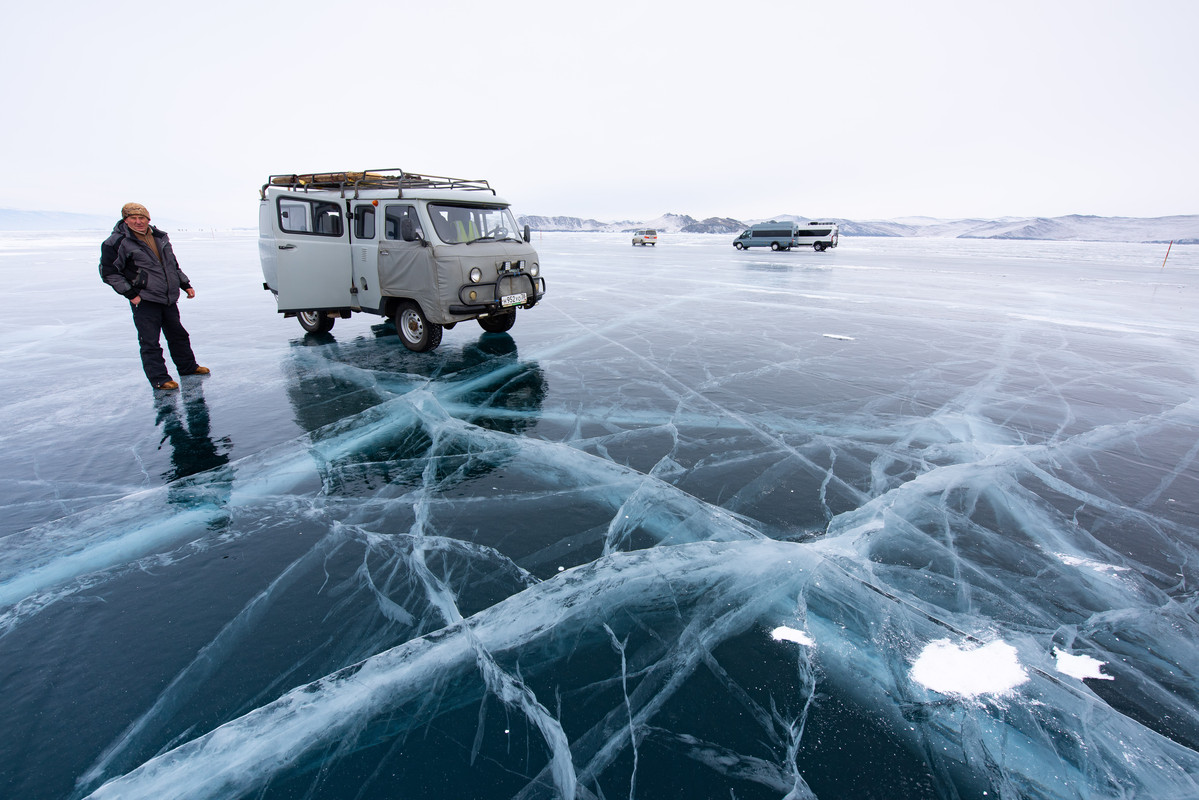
(416, 332)
(315, 321)
(738, 245)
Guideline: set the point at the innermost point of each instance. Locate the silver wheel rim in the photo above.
(310, 318)
(412, 327)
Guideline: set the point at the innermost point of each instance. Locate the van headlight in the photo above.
(535, 270)
(476, 275)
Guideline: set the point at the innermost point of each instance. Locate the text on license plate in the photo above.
(514, 299)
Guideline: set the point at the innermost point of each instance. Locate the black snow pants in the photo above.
(153, 319)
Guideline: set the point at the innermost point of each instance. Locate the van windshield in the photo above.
(456, 224)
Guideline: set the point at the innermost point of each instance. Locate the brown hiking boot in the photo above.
(166, 385)
(200, 371)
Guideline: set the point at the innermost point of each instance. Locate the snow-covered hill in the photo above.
(667, 223)
(540, 223)
(1181, 229)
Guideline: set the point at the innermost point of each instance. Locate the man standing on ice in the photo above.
(137, 262)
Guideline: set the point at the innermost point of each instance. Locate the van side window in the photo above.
(393, 219)
(364, 222)
(314, 217)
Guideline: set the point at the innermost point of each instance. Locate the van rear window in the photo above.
(314, 217)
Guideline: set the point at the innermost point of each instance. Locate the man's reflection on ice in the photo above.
(193, 449)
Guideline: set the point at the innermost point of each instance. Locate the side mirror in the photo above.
(408, 229)
(528, 234)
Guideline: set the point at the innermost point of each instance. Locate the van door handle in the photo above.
(384, 252)
(287, 247)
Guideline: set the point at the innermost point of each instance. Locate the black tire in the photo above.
(416, 332)
(738, 245)
(774, 246)
(498, 323)
(315, 321)
(818, 247)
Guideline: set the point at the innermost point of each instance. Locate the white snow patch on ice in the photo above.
(969, 671)
(1098, 566)
(785, 634)
(1079, 666)
(838, 337)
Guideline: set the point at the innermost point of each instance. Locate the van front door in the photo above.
(365, 251)
(406, 269)
(313, 272)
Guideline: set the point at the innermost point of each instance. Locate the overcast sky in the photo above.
(873, 109)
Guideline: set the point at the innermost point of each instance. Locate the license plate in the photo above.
(514, 299)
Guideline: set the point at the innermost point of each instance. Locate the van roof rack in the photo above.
(392, 178)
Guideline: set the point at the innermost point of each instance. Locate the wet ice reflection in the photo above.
(885, 532)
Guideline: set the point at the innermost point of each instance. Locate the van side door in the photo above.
(364, 248)
(312, 256)
(406, 268)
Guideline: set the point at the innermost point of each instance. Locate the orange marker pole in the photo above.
(1167, 254)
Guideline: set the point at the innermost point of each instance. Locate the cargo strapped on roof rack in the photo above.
(372, 179)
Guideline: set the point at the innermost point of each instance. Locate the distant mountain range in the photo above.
(1179, 229)
(12, 219)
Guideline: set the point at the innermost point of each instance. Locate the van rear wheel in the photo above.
(315, 321)
(818, 247)
(774, 246)
(416, 332)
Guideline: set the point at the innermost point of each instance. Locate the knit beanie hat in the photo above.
(129, 209)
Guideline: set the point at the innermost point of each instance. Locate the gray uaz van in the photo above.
(426, 251)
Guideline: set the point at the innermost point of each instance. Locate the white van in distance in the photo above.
(645, 236)
(820, 235)
(426, 251)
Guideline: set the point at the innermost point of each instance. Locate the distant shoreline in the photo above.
(1180, 230)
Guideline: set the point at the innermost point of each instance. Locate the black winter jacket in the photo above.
(128, 265)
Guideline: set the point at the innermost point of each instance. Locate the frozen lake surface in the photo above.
(910, 518)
